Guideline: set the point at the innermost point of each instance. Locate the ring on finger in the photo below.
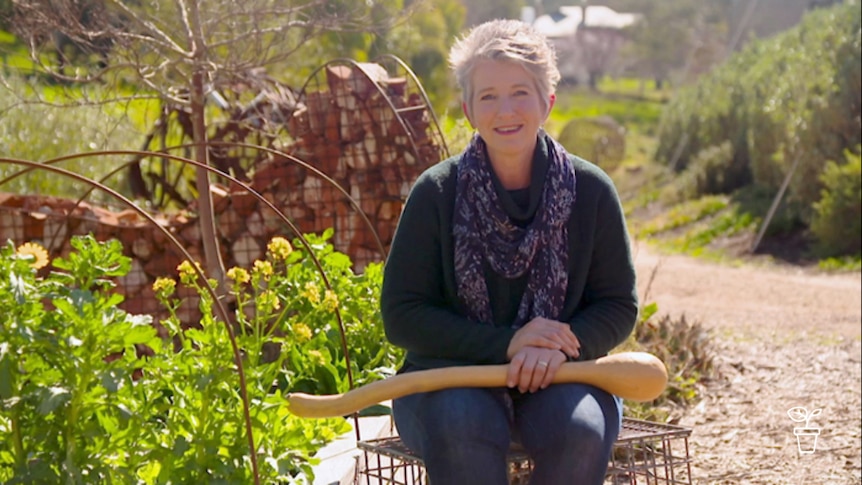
(542, 363)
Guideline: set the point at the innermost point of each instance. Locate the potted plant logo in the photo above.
(806, 436)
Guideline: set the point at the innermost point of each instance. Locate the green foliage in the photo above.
(482, 11)
(838, 214)
(615, 99)
(457, 131)
(847, 263)
(599, 140)
(692, 226)
(696, 240)
(712, 172)
(285, 324)
(793, 97)
(67, 370)
(79, 406)
(659, 51)
(682, 215)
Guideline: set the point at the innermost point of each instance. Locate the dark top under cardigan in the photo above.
(419, 303)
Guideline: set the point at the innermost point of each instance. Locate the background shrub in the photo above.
(838, 214)
(792, 99)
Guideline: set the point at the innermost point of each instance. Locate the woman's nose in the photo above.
(507, 106)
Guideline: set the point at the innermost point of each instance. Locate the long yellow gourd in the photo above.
(636, 376)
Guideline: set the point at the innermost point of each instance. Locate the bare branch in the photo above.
(256, 33)
(150, 27)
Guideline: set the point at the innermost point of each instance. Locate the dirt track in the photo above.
(784, 337)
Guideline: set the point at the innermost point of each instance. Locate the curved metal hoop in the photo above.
(438, 132)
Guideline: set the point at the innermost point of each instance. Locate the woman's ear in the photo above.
(551, 100)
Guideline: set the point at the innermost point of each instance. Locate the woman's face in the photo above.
(506, 109)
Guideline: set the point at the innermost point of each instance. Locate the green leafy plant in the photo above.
(287, 309)
(67, 361)
(682, 214)
(81, 404)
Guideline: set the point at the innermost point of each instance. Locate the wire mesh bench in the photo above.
(644, 453)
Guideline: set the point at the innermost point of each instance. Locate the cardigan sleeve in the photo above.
(419, 308)
(608, 306)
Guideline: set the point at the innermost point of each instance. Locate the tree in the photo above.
(423, 42)
(182, 51)
(661, 41)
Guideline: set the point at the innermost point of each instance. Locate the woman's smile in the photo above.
(508, 130)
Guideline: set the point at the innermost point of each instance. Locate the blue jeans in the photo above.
(463, 435)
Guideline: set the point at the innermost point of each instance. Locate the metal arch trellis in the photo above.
(245, 187)
(372, 131)
(395, 64)
(261, 121)
(368, 125)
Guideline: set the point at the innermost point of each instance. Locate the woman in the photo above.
(512, 252)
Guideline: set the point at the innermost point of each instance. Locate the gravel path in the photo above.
(784, 337)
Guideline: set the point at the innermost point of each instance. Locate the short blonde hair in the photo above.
(505, 40)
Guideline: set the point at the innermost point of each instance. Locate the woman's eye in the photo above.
(487, 97)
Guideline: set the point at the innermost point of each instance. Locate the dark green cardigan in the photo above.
(423, 314)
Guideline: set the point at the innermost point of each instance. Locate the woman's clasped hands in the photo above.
(537, 351)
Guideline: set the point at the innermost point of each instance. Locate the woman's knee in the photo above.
(569, 415)
(454, 417)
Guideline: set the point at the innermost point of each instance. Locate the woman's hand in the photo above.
(533, 368)
(544, 333)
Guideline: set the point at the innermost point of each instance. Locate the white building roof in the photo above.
(597, 16)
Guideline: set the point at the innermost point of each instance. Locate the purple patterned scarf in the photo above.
(483, 231)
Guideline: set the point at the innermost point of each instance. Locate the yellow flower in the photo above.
(330, 301)
(279, 247)
(263, 268)
(164, 287)
(302, 332)
(35, 251)
(239, 275)
(187, 272)
(316, 357)
(312, 293)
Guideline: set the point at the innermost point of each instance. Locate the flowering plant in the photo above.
(79, 405)
(285, 320)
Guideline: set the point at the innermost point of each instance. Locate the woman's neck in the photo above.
(513, 172)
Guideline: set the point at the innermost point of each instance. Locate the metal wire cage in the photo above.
(645, 453)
